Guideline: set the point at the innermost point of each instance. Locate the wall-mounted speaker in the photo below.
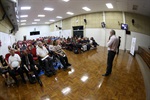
(60, 28)
(103, 24)
(85, 21)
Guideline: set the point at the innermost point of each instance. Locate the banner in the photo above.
(132, 50)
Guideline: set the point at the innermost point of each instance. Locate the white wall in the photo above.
(141, 40)
(25, 31)
(44, 31)
(6, 40)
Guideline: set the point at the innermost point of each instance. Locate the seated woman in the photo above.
(4, 70)
(29, 65)
(61, 54)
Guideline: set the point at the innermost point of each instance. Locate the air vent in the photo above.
(135, 7)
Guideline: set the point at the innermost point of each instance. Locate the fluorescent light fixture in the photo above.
(59, 17)
(47, 23)
(48, 9)
(22, 16)
(36, 19)
(23, 20)
(65, 0)
(25, 8)
(86, 8)
(41, 15)
(51, 20)
(34, 22)
(109, 5)
(70, 13)
(23, 23)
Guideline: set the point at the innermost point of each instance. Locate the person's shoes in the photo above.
(24, 81)
(40, 82)
(59, 67)
(68, 64)
(105, 74)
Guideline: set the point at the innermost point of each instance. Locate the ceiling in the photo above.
(75, 6)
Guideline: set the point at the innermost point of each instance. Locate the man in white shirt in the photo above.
(44, 58)
(14, 61)
(112, 47)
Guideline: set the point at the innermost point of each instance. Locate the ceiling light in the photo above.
(65, 0)
(52, 20)
(34, 22)
(23, 20)
(36, 19)
(41, 15)
(18, 21)
(25, 8)
(59, 17)
(48, 9)
(47, 23)
(86, 8)
(109, 5)
(23, 23)
(22, 16)
(70, 13)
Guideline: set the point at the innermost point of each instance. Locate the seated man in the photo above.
(61, 54)
(44, 57)
(29, 65)
(14, 61)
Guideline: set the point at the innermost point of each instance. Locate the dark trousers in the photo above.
(13, 74)
(32, 68)
(48, 65)
(110, 58)
(64, 61)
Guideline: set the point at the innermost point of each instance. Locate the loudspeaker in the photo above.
(103, 24)
(133, 21)
(85, 21)
(60, 28)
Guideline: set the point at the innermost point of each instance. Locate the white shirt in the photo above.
(42, 52)
(14, 60)
(113, 43)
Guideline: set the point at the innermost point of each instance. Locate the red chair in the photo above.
(33, 52)
(7, 56)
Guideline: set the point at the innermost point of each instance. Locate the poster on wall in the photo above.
(132, 50)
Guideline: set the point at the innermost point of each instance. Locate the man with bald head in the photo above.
(112, 47)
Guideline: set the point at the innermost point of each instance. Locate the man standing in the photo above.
(112, 47)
